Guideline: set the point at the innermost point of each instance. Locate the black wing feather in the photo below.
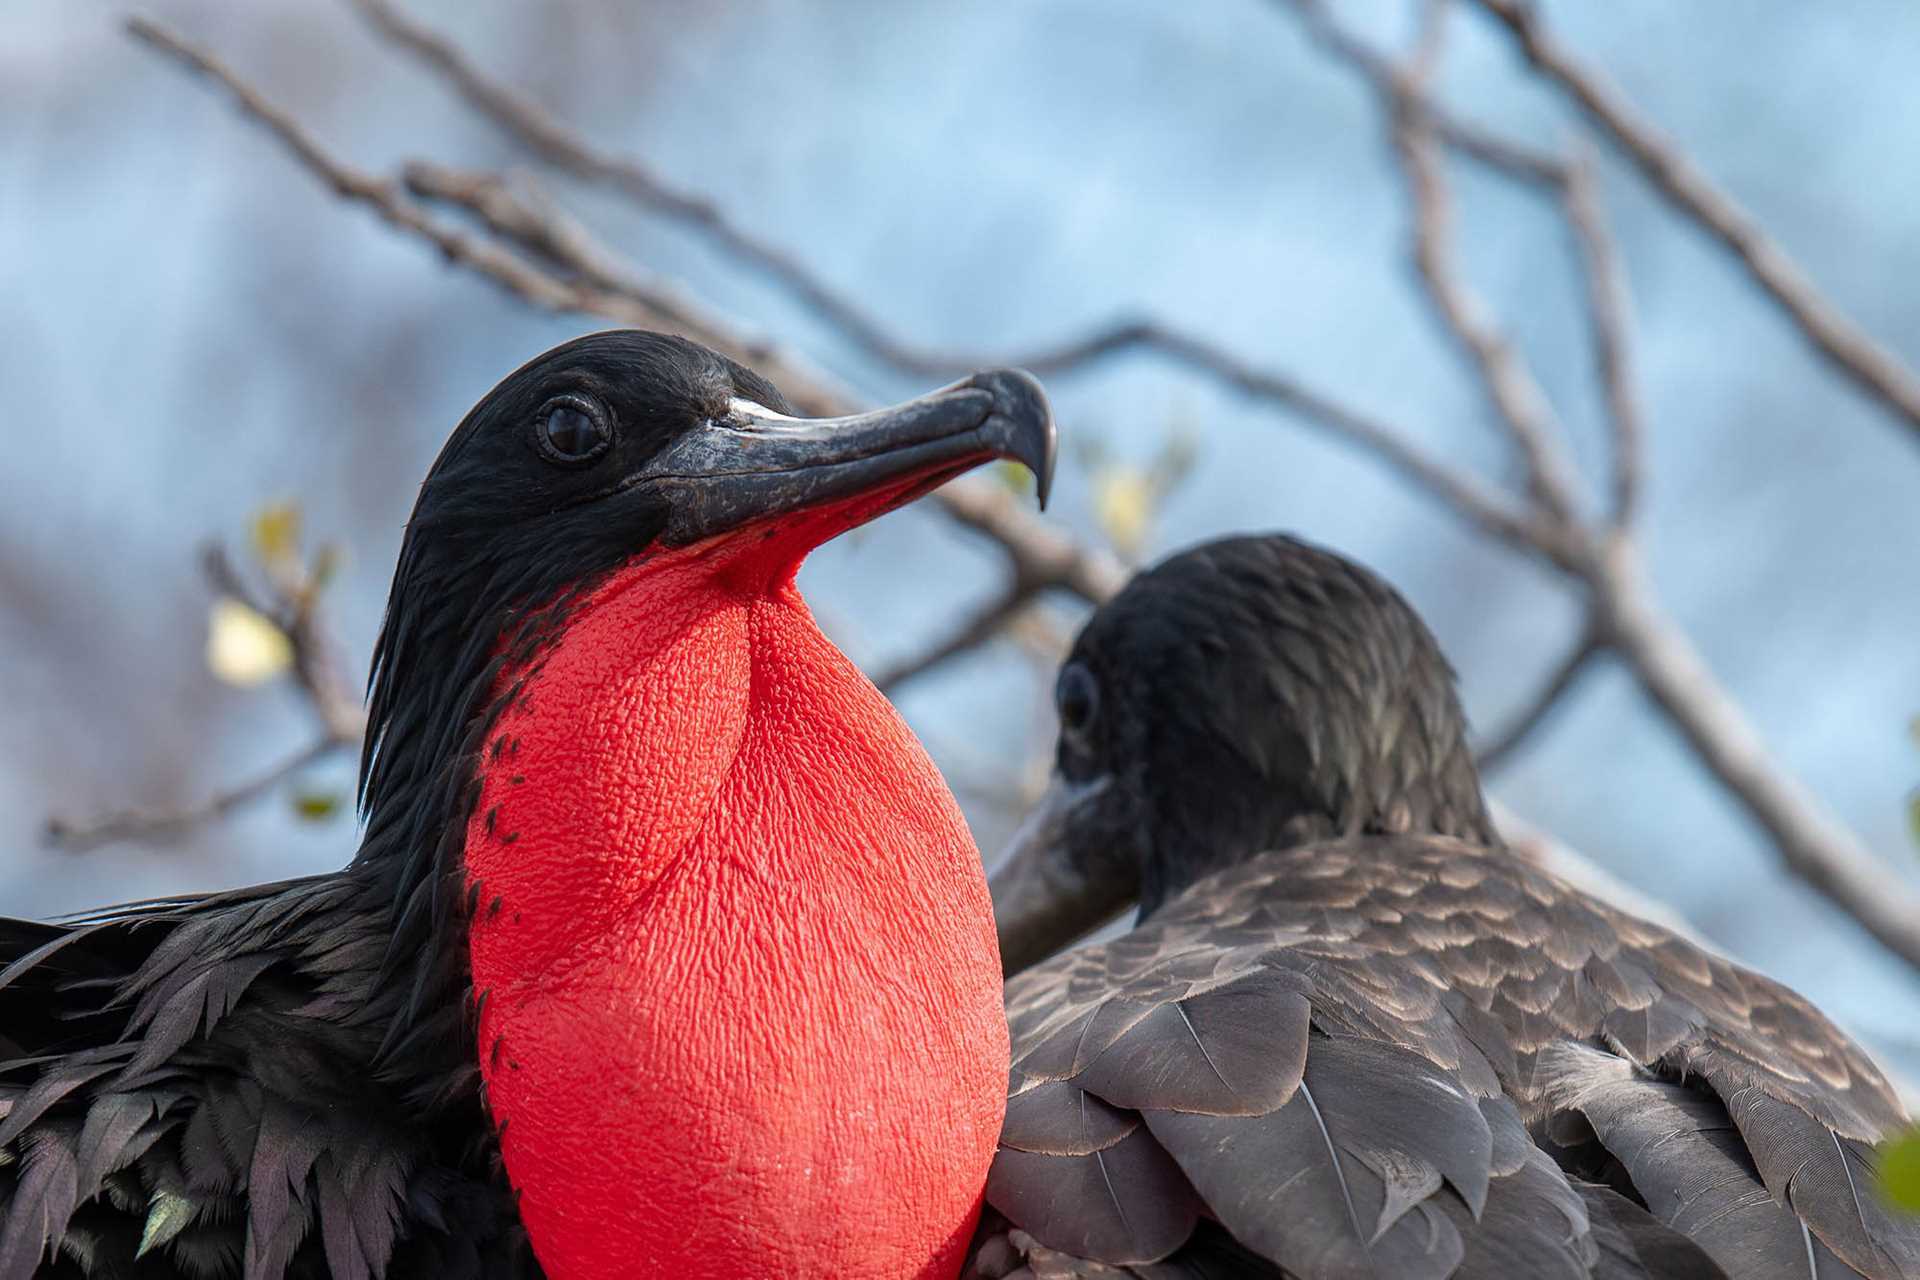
(194, 1089)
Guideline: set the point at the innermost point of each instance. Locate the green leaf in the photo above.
(326, 564)
(1900, 1171)
(1015, 476)
(315, 806)
(1123, 503)
(1913, 816)
(276, 531)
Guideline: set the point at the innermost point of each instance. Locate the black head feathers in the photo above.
(1252, 693)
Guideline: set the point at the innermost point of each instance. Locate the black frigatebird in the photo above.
(665, 952)
(1352, 1034)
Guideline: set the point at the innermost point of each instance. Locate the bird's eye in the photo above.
(1077, 697)
(572, 431)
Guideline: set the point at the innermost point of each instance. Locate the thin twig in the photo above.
(978, 627)
(1522, 407)
(1502, 154)
(1551, 697)
(1608, 312)
(1870, 366)
(156, 825)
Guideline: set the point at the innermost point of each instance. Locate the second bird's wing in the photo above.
(1409, 1057)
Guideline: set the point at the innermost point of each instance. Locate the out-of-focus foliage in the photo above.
(244, 647)
(1128, 496)
(1900, 1171)
(314, 805)
(1900, 1159)
(1913, 796)
(276, 533)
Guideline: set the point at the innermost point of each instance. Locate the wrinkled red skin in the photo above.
(743, 1012)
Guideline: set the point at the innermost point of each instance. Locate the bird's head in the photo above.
(1248, 694)
(625, 445)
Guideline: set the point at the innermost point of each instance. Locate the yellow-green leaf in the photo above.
(1123, 502)
(244, 648)
(315, 806)
(276, 531)
(326, 564)
(1900, 1171)
(1913, 816)
(1015, 476)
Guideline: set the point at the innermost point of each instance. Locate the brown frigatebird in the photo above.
(1353, 1036)
(665, 951)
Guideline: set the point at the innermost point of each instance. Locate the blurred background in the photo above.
(198, 333)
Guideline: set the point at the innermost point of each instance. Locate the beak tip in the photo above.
(1021, 403)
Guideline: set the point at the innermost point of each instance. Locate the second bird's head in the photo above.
(626, 444)
(1248, 694)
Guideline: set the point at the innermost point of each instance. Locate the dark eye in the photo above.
(1077, 698)
(573, 431)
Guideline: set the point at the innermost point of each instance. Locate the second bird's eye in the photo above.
(1077, 697)
(573, 432)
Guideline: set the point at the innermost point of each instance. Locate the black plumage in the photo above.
(282, 1081)
(1351, 1028)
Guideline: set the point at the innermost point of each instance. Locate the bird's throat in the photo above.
(741, 988)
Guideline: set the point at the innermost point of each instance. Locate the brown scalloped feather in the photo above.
(1478, 977)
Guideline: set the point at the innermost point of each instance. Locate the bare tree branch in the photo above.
(1515, 159)
(1522, 406)
(1551, 696)
(1868, 365)
(978, 627)
(155, 825)
(1608, 315)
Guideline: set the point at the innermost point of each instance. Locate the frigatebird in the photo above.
(1353, 1035)
(665, 951)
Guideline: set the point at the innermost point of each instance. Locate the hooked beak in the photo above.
(1055, 884)
(756, 464)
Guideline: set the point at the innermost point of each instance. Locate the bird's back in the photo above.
(1409, 1056)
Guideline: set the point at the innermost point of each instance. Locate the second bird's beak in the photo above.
(755, 464)
(1063, 876)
